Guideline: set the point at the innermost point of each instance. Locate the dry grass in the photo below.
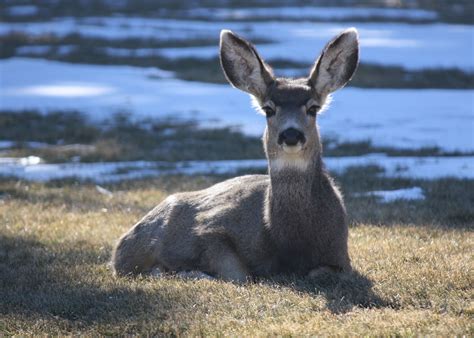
(55, 241)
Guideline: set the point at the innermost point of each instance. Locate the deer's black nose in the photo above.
(291, 137)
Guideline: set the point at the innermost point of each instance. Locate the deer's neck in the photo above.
(292, 199)
(295, 181)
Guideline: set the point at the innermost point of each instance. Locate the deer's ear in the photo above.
(242, 65)
(337, 63)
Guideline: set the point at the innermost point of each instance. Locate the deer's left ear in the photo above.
(337, 63)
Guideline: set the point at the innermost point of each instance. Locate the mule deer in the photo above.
(291, 221)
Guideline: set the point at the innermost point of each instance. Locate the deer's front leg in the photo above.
(228, 266)
(222, 261)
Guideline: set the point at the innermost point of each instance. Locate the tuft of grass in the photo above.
(413, 274)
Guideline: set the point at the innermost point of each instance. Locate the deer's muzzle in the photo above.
(291, 137)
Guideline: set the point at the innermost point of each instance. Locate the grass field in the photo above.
(412, 259)
(413, 262)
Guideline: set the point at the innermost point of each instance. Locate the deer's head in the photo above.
(291, 106)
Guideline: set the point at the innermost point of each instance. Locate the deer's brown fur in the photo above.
(290, 221)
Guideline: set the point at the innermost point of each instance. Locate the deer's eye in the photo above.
(269, 111)
(313, 110)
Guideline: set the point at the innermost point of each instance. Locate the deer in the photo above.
(291, 221)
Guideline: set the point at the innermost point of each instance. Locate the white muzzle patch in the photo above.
(289, 161)
(292, 149)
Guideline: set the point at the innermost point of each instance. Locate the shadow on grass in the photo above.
(60, 283)
(45, 282)
(342, 291)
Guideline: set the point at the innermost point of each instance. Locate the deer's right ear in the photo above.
(242, 65)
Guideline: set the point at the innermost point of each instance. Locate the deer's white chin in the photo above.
(292, 149)
(290, 158)
(289, 162)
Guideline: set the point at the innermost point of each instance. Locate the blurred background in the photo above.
(108, 81)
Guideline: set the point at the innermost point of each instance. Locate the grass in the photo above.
(71, 136)
(14, 39)
(414, 268)
(370, 75)
(413, 260)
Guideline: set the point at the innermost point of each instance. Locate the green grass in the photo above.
(414, 268)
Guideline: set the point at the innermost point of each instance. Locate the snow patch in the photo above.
(19, 162)
(32, 168)
(104, 191)
(64, 90)
(387, 196)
